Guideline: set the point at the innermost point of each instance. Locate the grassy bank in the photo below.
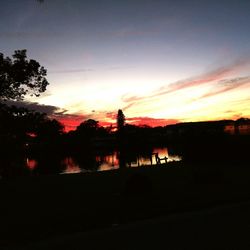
(40, 207)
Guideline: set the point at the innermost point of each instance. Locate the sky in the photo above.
(160, 61)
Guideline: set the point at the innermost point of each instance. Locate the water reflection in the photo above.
(70, 166)
(31, 164)
(152, 159)
(110, 161)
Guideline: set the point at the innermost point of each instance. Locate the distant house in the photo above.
(197, 128)
(209, 128)
(239, 127)
(230, 128)
(243, 126)
(244, 129)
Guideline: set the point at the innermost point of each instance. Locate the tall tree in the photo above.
(120, 120)
(20, 76)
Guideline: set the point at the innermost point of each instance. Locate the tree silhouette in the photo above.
(18, 121)
(89, 124)
(49, 129)
(88, 128)
(120, 120)
(20, 76)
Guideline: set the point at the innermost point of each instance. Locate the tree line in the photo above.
(26, 133)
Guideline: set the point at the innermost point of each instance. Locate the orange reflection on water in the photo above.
(31, 164)
(111, 161)
(71, 166)
(162, 153)
(108, 162)
(107, 166)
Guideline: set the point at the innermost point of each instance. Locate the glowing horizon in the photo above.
(221, 93)
(161, 62)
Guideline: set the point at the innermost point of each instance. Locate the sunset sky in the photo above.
(160, 61)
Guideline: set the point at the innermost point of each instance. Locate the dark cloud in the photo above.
(48, 109)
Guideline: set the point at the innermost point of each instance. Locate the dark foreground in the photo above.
(166, 207)
(223, 227)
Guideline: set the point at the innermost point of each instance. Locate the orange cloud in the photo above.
(149, 121)
(70, 121)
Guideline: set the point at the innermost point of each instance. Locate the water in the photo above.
(109, 161)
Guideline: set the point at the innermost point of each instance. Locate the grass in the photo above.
(40, 207)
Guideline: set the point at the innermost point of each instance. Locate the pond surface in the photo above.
(109, 161)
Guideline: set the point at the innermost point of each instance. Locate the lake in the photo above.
(109, 161)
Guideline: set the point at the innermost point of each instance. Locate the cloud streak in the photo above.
(208, 77)
(227, 85)
(66, 71)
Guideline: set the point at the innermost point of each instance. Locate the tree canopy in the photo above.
(120, 120)
(20, 76)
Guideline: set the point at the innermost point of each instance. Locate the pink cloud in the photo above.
(208, 77)
(227, 86)
(149, 121)
(70, 121)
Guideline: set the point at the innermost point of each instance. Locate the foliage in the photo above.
(19, 122)
(120, 120)
(49, 129)
(20, 76)
(89, 124)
